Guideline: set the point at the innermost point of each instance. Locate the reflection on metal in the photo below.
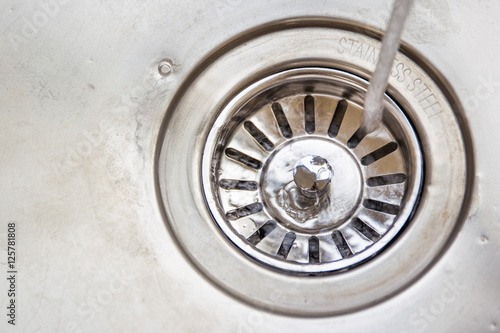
(246, 115)
(311, 185)
(102, 160)
(312, 175)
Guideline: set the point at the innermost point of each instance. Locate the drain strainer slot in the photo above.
(290, 184)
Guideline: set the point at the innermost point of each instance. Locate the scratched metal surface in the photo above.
(81, 106)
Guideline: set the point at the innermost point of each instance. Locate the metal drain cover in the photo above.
(290, 183)
(279, 201)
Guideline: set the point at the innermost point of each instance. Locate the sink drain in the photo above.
(273, 196)
(291, 183)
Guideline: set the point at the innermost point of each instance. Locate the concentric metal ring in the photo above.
(254, 146)
(429, 104)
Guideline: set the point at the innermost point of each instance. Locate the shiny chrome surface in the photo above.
(275, 127)
(196, 115)
(312, 175)
(82, 122)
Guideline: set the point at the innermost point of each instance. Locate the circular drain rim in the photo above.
(248, 56)
(348, 236)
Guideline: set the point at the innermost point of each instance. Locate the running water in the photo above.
(374, 101)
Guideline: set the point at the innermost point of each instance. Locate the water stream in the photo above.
(374, 101)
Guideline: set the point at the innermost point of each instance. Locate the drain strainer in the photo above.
(291, 183)
(272, 195)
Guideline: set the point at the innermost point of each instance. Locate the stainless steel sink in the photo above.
(148, 156)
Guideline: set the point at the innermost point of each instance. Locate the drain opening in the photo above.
(382, 152)
(242, 185)
(341, 244)
(260, 137)
(338, 116)
(283, 124)
(244, 211)
(286, 245)
(316, 194)
(262, 232)
(309, 124)
(386, 180)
